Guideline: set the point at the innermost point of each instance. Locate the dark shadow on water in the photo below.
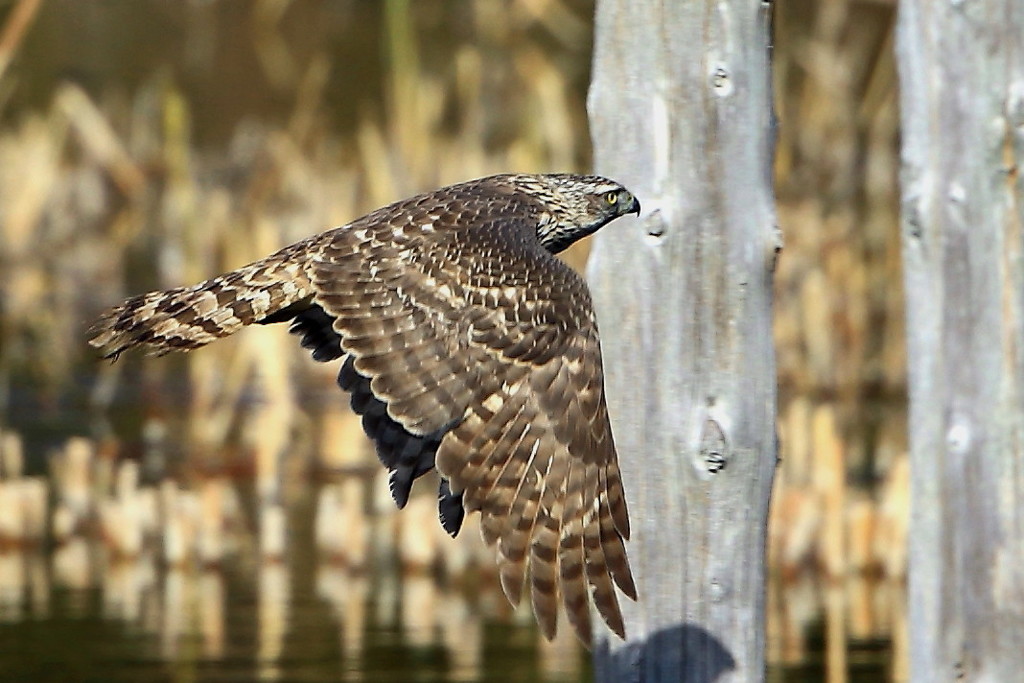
(665, 656)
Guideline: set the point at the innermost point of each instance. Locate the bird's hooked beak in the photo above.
(634, 207)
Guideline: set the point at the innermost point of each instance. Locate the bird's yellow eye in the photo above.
(611, 198)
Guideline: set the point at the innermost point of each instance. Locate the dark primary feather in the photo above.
(405, 455)
(465, 345)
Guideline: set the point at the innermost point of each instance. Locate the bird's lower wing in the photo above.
(525, 432)
(543, 474)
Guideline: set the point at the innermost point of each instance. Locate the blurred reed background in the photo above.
(224, 505)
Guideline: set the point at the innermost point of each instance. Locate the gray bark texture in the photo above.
(680, 111)
(961, 67)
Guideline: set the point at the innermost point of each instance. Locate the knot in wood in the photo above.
(721, 82)
(654, 224)
(958, 437)
(713, 447)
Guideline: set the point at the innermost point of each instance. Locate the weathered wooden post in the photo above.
(680, 108)
(961, 67)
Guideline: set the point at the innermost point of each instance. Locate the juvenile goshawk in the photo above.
(466, 346)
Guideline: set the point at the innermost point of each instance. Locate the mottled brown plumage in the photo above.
(467, 345)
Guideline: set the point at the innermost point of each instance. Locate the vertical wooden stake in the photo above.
(961, 67)
(680, 108)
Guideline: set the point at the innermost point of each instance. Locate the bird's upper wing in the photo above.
(462, 323)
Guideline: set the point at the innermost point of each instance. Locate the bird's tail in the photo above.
(189, 317)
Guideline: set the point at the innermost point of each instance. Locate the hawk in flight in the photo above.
(466, 346)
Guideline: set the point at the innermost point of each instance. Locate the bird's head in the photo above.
(574, 206)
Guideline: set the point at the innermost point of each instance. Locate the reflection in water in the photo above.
(11, 572)
(837, 630)
(171, 580)
(188, 586)
(272, 618)
(174, 621)
(211, 614)
(347, 594)
(835, 634)
(72, 566)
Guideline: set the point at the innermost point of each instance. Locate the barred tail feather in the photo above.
(189, 317)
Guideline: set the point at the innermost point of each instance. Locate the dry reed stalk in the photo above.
(800, 519)
(272, 531)
(384, 521)
(861, 528)
(342, 530)
(212, 522)
(99, 140)
(328, 526)
(890, 548)
(411, 113)
(794, 521)
(346, 591)
(560, 656)
(829, 474)
(19, 21)
(774, 618)
(273, 608)
(899, 631)
(180, 512)
(342, 443)
(271, 49)
(309, 100)
(419, 536)
(861, 619)
(801, 604)
(272, 420)
(72, 564)
(37, 583)
(466, 556)
(30, 168)
(419, 605)
(34, 508)
(123, 517)
(71, 470)
(836, 669)
(12, 455)
(23, 500)
(125, 583)
(212, 627)
(556, 18)
(11, 587)
(462, 635)
(818, 327)
(177, 610)
(269, 424)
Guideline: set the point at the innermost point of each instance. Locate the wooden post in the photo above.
(961, 67)
(680, 108)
